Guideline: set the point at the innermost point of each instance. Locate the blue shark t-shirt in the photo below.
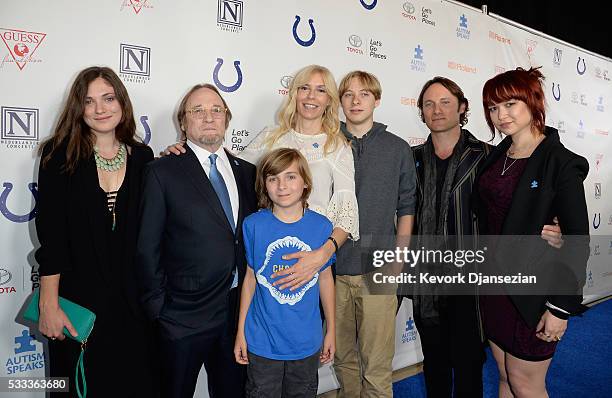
(283, 324)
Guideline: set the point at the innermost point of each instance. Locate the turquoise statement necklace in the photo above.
(113, 164)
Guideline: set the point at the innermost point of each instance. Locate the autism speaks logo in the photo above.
(274, 263)
(410, 332)
(463, 31)
(28, 355)
(418, 62)
(21, 45)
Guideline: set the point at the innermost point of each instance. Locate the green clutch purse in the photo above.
(83, 321)
(81, 318)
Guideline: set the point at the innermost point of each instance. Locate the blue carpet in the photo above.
(580, 368)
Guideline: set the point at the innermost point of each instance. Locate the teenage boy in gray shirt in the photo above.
(385, 183)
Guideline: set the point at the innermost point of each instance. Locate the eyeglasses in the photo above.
(217, 112)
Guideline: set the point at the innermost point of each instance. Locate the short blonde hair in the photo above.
(275, 162)
(370, 82)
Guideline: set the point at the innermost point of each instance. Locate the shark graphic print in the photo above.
(273, 262)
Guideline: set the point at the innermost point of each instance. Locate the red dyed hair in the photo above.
(520, 84)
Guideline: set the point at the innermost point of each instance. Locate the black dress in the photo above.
(502, 322)
(96, 270)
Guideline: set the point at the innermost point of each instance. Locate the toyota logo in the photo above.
(355, 41)
(5, 276)
(285, 81)
(408, 7)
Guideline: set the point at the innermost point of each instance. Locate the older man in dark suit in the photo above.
(190, 249)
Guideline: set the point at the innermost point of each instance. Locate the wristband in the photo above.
(334, 242)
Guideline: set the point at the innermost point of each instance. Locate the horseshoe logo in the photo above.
(596, 220)
(557, 95)
(580, 72)
(313, 35)
(8, 187)
(221, 86)
(368, 6)
(145, 125)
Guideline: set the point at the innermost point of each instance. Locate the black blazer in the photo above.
(186, 249)
(72, 224)
(551, 185)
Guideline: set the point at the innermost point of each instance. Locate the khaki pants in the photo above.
(365, 339)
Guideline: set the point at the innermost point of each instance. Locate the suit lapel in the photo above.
(193, 169)
(240, 184)
(468, 160)
(529, 184)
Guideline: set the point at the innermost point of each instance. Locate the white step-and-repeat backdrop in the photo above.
(250, 49)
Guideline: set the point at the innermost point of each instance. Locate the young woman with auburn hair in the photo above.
(528, 179)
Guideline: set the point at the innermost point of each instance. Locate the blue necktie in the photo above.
(218, 183)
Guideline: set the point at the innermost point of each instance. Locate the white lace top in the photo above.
(333, 191)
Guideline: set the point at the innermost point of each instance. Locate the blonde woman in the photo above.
(308, 121)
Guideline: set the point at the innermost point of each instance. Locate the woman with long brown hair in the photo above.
(89, 192)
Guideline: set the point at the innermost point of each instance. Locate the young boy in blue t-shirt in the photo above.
(279, 331)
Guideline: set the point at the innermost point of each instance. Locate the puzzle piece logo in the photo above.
(418, 52)
(410, 331)
(24, 342)
(409, 324)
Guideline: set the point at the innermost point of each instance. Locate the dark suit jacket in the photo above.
(186, 248)
(558, 191)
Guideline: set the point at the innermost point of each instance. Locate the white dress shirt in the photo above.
(224, 168)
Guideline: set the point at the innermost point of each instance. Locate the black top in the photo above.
(441, 167)
(96, 270)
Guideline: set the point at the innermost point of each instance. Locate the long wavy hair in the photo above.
(287, 116)
(71, 126)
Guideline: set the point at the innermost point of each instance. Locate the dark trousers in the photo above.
(453, 351)
(270, 378)
(183, 358)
